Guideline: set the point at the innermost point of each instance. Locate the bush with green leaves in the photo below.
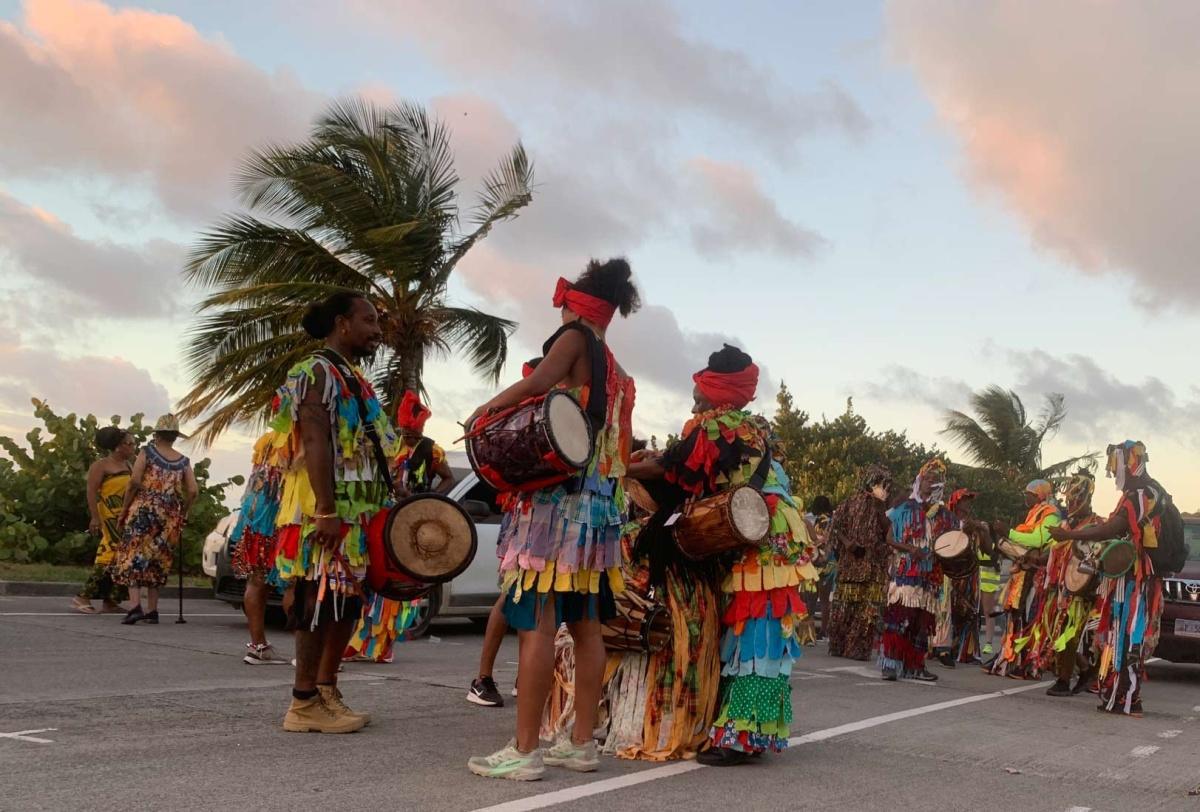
(43, 491)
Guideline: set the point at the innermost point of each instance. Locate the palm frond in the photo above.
(483, 337)
(973, 438)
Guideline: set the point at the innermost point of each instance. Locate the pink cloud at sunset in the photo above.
(137, 97)
(1083, 118)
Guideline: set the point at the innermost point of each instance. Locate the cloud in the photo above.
(636, 51)
(105, 278)
(138, 97)
(739, 216)
(86, 385)
(1083, 119)
(900, 383)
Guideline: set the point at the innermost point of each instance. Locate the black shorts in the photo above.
(304, 606)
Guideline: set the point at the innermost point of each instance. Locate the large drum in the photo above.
(642, 624)
(727, 521)
(539, 443)
(423, 541)
(957, 555)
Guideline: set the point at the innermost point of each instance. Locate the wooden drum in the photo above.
(956, 554)
(727, 521)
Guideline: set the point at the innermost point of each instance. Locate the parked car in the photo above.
(1179, 638)
(470, 595)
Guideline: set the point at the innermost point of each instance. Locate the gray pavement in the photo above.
(168, 717)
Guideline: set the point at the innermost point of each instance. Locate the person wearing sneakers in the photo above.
(483, 690)
(333, 423)
(560, 550)
(253, 542)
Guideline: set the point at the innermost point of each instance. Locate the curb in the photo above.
(66, 589)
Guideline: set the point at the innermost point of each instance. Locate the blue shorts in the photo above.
(569, 607)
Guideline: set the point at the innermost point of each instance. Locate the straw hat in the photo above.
(169, 422)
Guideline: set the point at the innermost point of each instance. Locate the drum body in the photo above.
(642, 624)
(541, 442)
(1080, 579)
(957, 555)
(423, 541)
(736, 518)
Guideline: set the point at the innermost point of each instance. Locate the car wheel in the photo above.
(426, 613)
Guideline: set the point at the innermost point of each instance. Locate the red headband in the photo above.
(585, 305)
(734, 389)
(526, 369)
(412, 414)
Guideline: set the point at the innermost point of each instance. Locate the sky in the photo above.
(898, 203)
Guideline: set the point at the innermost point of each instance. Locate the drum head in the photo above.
(430, 538)
(569, 429)
(1076, 581)
(640, 496)
(1117, 558)
(951, 544)
(749, 514)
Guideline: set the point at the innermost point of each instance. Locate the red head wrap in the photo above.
(527, 369)
(960, 495)
(584, 305)
(734, 389)
(412, 414)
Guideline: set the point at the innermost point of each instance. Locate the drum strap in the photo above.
(759, 479)
(382, 465)
(596, 407)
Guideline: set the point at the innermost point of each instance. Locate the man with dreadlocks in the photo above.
(1067, 615)
(1130, 606)
(1026, 591)
(916, 575)
(858, 538)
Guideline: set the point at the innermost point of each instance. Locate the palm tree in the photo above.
(367, 203)
(1001, 437)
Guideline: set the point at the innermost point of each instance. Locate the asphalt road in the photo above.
(168, 717)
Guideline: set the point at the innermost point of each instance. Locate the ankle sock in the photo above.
(302, 695)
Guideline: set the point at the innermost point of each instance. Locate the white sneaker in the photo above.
(262, 655)
(509, 763)
(578, 757)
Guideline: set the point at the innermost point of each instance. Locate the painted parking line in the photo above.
(568, 794)
(24, 735)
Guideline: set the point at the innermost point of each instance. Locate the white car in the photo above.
(470, 595)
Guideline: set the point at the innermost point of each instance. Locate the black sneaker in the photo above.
(133, 616)
(889, 674)
(946, 659)
(150, 617)
(924, 676)
(483, 692)
(1059, 688)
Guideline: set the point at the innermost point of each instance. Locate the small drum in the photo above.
(1010, 549)
(640, 497)
(957, 555)
(1078, 578)
(423, 541)
(642, 624)
(539, 443)
(1112, 559)
(736, 518)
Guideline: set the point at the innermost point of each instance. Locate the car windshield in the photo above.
(1191, 532)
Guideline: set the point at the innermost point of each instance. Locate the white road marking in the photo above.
(1145, 751)
(803, 675)
(568, 794)
(1079, 809)
(1196, 709)
(230, 613)
(23, 735)
(858, 670)
(1169, 734)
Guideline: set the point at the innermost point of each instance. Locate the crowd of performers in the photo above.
(581, 552)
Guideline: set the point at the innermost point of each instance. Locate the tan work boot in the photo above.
(331, 695)
(312, 715)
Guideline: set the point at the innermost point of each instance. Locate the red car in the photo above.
(1179, 641)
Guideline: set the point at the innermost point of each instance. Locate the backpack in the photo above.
(1172, 551)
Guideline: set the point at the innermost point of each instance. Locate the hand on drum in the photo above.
(328, 532)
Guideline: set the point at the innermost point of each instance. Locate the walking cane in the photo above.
(180, 618)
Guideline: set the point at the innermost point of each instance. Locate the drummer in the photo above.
(964, 592)
(418, 464)
(559, 550)
(916, 576)
(1130, 606)
(722, 447)
(328, 501)
(1068, 613)
(1025, 593)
